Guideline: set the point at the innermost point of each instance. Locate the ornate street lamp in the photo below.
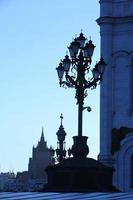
(61, 134)
(72, 72)
(60, 153)
(80, 173)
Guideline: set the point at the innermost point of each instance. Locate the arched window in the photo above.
(121, 71)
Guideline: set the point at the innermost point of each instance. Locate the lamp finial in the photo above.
(61, 117)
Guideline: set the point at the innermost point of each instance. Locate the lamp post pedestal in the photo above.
(80, 148)
(79, 173)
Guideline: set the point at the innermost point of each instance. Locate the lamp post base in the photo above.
(79, 175)
(80, 148)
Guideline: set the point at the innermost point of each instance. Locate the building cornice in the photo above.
(112, 1)
(108, 1)
(114, 20)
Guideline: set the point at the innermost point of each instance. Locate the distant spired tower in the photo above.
(41, 158)
(116, 98)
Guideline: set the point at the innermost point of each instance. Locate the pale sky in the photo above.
(34, 36)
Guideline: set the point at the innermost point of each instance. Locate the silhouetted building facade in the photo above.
(41, 158)
(116, 101)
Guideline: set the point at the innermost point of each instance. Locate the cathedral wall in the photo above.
(116, 93)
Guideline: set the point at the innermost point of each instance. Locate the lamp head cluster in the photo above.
(81, 52)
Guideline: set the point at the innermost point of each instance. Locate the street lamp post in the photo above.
(81, 52)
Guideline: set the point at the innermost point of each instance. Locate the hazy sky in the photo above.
(34, 35)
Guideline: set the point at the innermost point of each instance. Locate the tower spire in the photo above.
(42, 135)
